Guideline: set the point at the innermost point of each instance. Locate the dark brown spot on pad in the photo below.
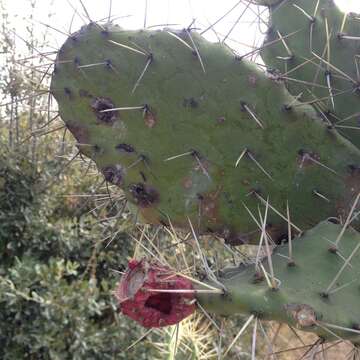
(68, 92)
(125, 148)
(99, 104)
(190, 103)
(303, 314)
(143, 195)
(149, 116)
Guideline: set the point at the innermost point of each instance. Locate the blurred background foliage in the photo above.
(56, 277)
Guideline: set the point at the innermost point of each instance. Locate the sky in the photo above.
(68, 15)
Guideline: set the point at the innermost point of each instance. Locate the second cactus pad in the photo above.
(318, 292)
(315, 46)
(192, 134)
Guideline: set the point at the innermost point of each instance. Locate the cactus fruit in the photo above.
(316, 53)
(147, 294)
(319, 292)
(193, 134)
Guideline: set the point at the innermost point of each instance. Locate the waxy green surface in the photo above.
(212, 116)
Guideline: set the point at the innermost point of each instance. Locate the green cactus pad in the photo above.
(316, 49)
(307, 296)
(186, 111)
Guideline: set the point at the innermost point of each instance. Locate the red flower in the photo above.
(150, 294)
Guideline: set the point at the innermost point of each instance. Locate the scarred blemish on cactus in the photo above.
(68, 92)
(150, 119)
(303, 314)
(125, 148)
(190, 103)
(142, 294)
(99, 104)
(143, 195)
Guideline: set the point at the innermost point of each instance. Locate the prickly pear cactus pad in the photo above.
(192, 134)
(316, 49)
(318, 292)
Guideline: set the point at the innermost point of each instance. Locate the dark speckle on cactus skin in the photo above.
(101, 103)
(97, 149)
(324, 296)
(67, 92)
(125, 148)
(77, 61)
(108, 64)
(287, 107)
(303, 314)
(190, 103)
(143, 195)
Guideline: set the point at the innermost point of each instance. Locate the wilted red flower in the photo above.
(143, 297)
